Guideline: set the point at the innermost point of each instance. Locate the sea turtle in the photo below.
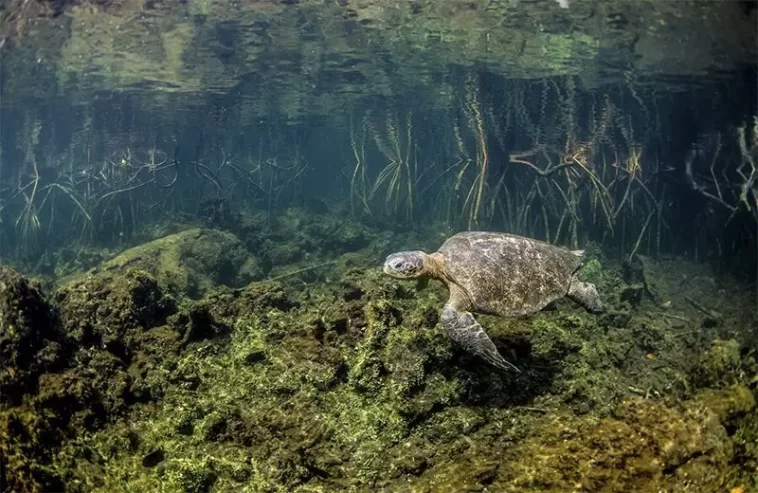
(497, 274)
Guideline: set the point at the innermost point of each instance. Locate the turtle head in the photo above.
(405, 265)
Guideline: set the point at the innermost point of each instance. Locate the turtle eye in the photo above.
(399, 265)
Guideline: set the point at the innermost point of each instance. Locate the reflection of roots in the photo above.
(483, 158)
(399, 177)
(732, 196)
(358, 180)
(564, 179)
(572, 181)
(28, 224)
(475, 121)
(94, 192)
(736, 186)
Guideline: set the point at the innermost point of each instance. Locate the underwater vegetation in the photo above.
(244, 370)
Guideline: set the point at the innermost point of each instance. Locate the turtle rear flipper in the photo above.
(586, 295)
(463, 328)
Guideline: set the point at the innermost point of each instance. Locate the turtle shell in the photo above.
(508, 275)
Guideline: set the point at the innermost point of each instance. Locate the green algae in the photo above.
(630, 451)
(350, 384)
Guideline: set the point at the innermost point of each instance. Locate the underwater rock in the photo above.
(254, 356)
(263, 296)
(70, 260)
(350, 284)
(301, 236)
(729, 403)
(108, 351)
(72, 365)
(85, 397)
(31, 343)
(192, 262)
(645, 446)
(553, 339)
(251, 270)
(196, 322)
(616, 318)
(342, 236)
(351, 384)
(366, 368)
(414, 461)
(30, 336)
(26, 441)
(719, 364)
(109, 310)
(591, 271)
(192, 477)
(281, 253)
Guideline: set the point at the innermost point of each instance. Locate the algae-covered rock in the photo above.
(26, 442)
(719, 364)
(119, 351)
(351, 384)
(191, 262)
(74, 365)
(110, 309)
(189, 476)
(729, 403)
(645, 446)
(30, 336)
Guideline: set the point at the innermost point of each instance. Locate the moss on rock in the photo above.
(30, 337)
(350, 383)
(191, 262)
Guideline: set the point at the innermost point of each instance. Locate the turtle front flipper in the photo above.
(463, 328)
(586, 295)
